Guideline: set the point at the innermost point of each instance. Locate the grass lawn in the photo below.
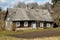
(13, 38)
(4, 33)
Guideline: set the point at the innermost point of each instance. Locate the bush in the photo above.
(2, 27)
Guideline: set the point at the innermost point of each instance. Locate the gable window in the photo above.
(48, 25)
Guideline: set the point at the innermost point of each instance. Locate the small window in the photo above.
(41, 25)
(17, 24)
(25, 24)
(48, 25)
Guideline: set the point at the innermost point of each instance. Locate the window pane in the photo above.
(41, 24)
(17, 24)
(25, 23)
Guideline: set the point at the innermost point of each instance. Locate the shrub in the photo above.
(2, 27)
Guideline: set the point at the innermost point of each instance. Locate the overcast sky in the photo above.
(10, 3)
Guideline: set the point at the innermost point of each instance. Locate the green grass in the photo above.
(13, 38)
(26, 31)
(4, 33)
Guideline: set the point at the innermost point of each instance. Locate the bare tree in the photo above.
(33, 5)
(20, 5)
(2, 16)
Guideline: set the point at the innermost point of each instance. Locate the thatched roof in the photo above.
(19, 14)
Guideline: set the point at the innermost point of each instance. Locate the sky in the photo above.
(10, 3)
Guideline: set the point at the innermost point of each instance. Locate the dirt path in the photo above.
(38, 34)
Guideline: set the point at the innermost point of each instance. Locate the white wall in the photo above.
(8, 25)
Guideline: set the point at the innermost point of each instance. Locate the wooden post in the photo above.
(13, 26)
(29, 24)
(37, 24)
(45, 25)
(21, 24)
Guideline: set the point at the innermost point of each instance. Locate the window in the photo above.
(48, 25)
(17, 24)
(41, 25)
(33, 25)
(25, 24)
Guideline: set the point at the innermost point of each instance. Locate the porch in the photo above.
(31, 24)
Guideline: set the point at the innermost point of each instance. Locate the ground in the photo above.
(48, 33)
(36, 34)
